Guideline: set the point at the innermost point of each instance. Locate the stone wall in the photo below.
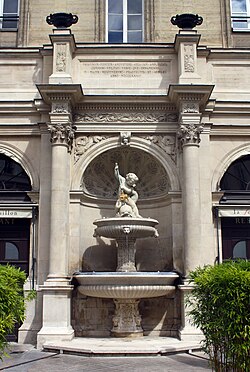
(93, 316)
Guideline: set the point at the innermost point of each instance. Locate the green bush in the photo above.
(220, 303)
(12, 303)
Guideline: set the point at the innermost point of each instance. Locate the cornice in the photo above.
(52, 92)
(126, 106)
(230, 130)
(17, 107)
(198, 93)
(19, 130)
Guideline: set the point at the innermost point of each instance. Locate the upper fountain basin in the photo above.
(120, 227)
(129, 278)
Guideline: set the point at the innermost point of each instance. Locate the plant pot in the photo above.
(186, 21)
(62, 20)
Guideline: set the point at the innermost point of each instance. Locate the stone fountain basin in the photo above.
(120, 227)
(126, 285)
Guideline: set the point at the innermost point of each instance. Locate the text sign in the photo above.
(15, 213)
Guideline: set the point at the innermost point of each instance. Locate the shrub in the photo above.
(220, 303)
(12, 303)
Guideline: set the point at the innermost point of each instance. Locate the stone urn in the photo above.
(62, 20)
(187, 21)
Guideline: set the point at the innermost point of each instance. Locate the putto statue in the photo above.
(127, 196)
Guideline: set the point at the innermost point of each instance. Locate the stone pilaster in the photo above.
(191, 101)
(57, 289)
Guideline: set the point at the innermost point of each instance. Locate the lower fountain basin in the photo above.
(126, 285)
(120, 227)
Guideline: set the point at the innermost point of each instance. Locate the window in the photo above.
(124, 21)
(8, 13)
(11, 251)
(12, 175)
(240, 14)
(237, 176)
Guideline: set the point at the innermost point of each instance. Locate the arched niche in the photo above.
(98, 179)
(137, 143)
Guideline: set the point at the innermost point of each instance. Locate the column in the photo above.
(57, 289)
(189, 136)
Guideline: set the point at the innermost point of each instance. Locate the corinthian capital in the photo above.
(189, 134)
(62, 134)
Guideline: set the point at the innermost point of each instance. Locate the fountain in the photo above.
(126, 286)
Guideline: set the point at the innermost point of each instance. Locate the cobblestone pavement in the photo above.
(38, 361)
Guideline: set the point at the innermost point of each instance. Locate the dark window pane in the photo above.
(240, 249)
(240, 24)
(115, 6)
(134, 6)
(11, 251)
(9, 22)
(134, 37)
(115, 23)
(10, 6)
(12, 175)
(115, 37)
(237, 176)
(134, 22)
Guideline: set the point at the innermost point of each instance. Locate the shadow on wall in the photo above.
(100, 257)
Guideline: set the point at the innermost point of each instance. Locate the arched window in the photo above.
(12, 175)
(11, 252)
(240, 249)
(237, 176)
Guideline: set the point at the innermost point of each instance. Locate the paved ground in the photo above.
(34, 360)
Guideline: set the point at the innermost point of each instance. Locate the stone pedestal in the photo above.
(126, 254)
(63, 47)
(127, 319)
(187, 332)
(27, 333)
(186, 43)
(56, 313)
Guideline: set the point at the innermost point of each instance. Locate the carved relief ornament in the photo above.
(61, 58)
(189, 134)
(84, 143)
(189, 58)
(62, 134)
(124, 117)
(166, 143)
(60, 108)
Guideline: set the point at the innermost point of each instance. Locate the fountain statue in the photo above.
(127, 195)
(126, 286)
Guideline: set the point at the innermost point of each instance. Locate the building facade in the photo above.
(123, 85)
